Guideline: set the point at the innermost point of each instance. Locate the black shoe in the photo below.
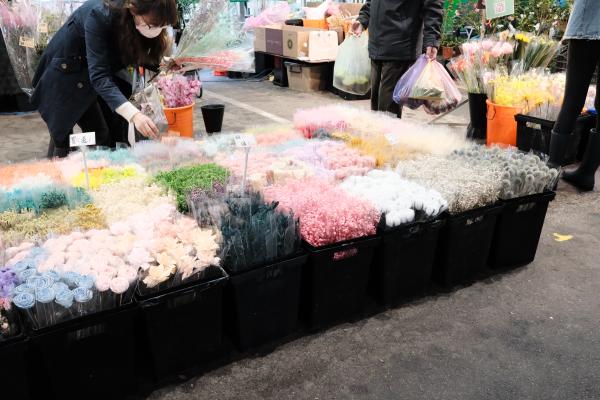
(558, 148)
(583, 177)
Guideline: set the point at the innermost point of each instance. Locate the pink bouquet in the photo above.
(178, 91)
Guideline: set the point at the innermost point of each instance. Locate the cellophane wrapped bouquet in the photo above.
(215, 38)
(533, 51)
(478, 57)
(19, 25)
(253, 232)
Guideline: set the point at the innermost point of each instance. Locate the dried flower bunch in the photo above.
(522, 174)
(464, 185)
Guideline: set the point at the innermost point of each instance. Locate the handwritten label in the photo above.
(25, 41)
(43, 27)
(82, 139)
(244, 141)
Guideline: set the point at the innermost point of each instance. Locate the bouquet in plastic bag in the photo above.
(428, 84)
(148, 101)
(276, 14)
(352, 71)
(215, 38)
(18, 22)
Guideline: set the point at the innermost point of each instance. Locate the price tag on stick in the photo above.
(83, 140)
(245, 142)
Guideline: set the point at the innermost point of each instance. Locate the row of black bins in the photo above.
(127, 352)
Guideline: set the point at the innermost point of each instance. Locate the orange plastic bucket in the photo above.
(501, 124)
(316, 23)
(181, 120)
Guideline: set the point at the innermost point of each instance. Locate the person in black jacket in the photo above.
(397, 28)
(82, 61)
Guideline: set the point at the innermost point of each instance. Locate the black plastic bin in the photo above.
(403, 262)
(13, 368)
(335, 281)
(533, 134)
(518, 230)
(91, 357)
(464, 246)
(263, 304)
(184, 328)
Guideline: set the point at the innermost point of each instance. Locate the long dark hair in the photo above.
(135, 48)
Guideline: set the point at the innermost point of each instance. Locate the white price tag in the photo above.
(28, 42)
(82, 139)
(392, 138)
(244, 141)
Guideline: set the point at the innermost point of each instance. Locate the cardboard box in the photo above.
(309, 44)
(269, 39)
(350, 9)
(306, 77)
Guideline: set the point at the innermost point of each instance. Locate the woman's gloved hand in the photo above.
(145, 126)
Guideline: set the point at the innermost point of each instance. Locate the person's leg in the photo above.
(390, 75)
(375, 84)
(584, 176)
(581, 63)
(93, 121)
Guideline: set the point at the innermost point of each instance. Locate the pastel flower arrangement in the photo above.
(399, 200)
(327, 213)
(178, 90)
(171, 152)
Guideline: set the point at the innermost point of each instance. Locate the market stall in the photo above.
(160, 255)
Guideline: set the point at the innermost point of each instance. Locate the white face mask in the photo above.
(149, 32)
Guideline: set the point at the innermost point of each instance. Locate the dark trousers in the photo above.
(384, 77)
(583, 60)
(91, 121)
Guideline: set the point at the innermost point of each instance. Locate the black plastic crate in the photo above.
(533, 134)
(263, 304)
(335, 281)
(91, 357)
(403, 262)
(518, 230)
(183, 328)
(464, 246)
(13, 368)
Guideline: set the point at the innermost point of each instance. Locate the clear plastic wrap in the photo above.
(215, 38)
(148, 102)
(275, 14)
(19, 26)
(352, 71)
(427, 83)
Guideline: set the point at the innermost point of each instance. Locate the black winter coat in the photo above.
(79, 63)
(397, 27)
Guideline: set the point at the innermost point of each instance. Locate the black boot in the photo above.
(583, 177)
(558, 148)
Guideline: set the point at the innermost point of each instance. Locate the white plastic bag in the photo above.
(352, 71)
